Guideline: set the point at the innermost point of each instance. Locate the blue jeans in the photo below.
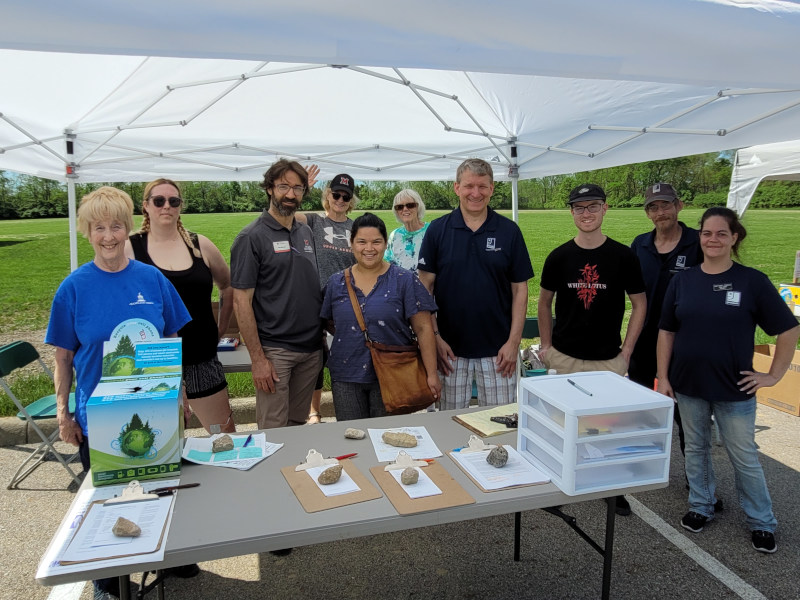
(736, 421)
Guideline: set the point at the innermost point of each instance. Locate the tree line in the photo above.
(701, 180)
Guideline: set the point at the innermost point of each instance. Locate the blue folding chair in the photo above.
(15, 356)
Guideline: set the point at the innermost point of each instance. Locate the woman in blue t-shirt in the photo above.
(404, 242)
(705, 362)
(396, 307)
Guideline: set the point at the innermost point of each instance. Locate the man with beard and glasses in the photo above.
(589, 277)
(277, 299)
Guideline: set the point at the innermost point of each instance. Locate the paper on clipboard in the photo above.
(425, 448)
(94, 540)
(517, 471)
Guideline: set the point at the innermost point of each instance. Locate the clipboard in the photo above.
(452, 493)
(480, 421)
(313, 500)
(499, 489)
(94, 511)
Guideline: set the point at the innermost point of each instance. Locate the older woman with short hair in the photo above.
(404, 242)
(92, 301)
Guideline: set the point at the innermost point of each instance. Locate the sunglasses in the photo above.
(337, 196)
(409, 206)
(158, 201)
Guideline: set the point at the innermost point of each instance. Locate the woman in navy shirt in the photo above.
(705, 362)
(396, 307)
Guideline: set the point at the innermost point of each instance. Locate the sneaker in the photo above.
(694, 522)
(184, 571)
(764, 541)
(623, 508)
(719, 506)
(283, 552)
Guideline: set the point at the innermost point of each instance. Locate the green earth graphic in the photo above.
(136, 438)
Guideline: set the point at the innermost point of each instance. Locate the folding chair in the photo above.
(14, 356)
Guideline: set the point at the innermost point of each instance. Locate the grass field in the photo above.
(34, 254)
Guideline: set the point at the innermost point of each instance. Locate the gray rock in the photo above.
(222, 444)
(497, 457)
(409, 476)
(330, 475)
(400, 440)
(354, 434)
(125, 528)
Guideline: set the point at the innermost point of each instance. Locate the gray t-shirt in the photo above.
(281, 266)
(332, 242)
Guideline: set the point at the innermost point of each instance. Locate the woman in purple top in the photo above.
(396, 308)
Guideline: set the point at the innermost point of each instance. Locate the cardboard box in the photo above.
(791, 295)
(135, 413)
(785, 395)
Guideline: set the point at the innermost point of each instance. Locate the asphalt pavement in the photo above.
(653, 556)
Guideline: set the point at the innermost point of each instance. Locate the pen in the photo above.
(458, 449)
(343, 456)
(584, 390)
(248, 440)
(163, 491)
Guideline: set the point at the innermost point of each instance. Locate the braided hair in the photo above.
(145, 228)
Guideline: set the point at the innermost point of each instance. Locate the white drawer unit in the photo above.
(594, 431)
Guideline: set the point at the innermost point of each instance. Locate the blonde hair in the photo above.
(146, 217)
(105, 203)
(326, 204)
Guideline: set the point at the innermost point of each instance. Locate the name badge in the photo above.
(733, 298)
(281, 246)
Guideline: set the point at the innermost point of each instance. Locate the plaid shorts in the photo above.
(204, 379)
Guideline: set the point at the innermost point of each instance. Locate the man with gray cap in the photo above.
(589, 277)
(669, 248)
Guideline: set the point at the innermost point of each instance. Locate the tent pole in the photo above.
(513, 173)
(73, 238)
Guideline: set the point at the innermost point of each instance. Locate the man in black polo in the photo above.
(278, 299)
(669, 248)
(475, 263)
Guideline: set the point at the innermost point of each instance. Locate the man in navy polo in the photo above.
(476, 265)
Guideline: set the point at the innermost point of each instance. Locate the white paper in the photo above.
(95, 540)
(345, 485)
(198, 451)
(425, 448)
(50, 564)
(423, 488)
(591, 452)
(517, 471)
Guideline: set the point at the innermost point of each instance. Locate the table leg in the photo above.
(124, 587)
(608, 550)
(517, 529)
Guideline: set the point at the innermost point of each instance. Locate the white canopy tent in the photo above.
(753, 165)
(204, 90)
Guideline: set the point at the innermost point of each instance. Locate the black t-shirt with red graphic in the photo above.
(590, 288)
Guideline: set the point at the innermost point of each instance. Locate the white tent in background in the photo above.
(753, 165)
(209, 90)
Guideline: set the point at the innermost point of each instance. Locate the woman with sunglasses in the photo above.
(193, 264)
(404, 242)
(332, 242)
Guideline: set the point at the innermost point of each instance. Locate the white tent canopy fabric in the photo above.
(753, 165)
(209, 90)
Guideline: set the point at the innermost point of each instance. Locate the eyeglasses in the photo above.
(337, 196)
(158, 201)
(654, 207)
(283, 188)
(409, 206)
(592, 208)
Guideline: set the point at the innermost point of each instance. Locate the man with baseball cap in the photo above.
(589, 277)
(669, 248)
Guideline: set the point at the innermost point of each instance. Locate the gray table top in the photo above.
(236, 512)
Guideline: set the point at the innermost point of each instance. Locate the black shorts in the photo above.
(204, 379)
(321, 377)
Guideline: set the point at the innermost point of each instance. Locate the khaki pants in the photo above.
(564, 363)
(289, 404)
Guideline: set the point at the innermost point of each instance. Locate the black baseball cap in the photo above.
(586, 191)
(342, 183)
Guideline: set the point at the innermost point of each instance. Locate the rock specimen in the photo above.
(497, 457)
(222, 444)
(354, 434)
(409, 476)
(125, 528)
(330, 475)
(401, 440)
